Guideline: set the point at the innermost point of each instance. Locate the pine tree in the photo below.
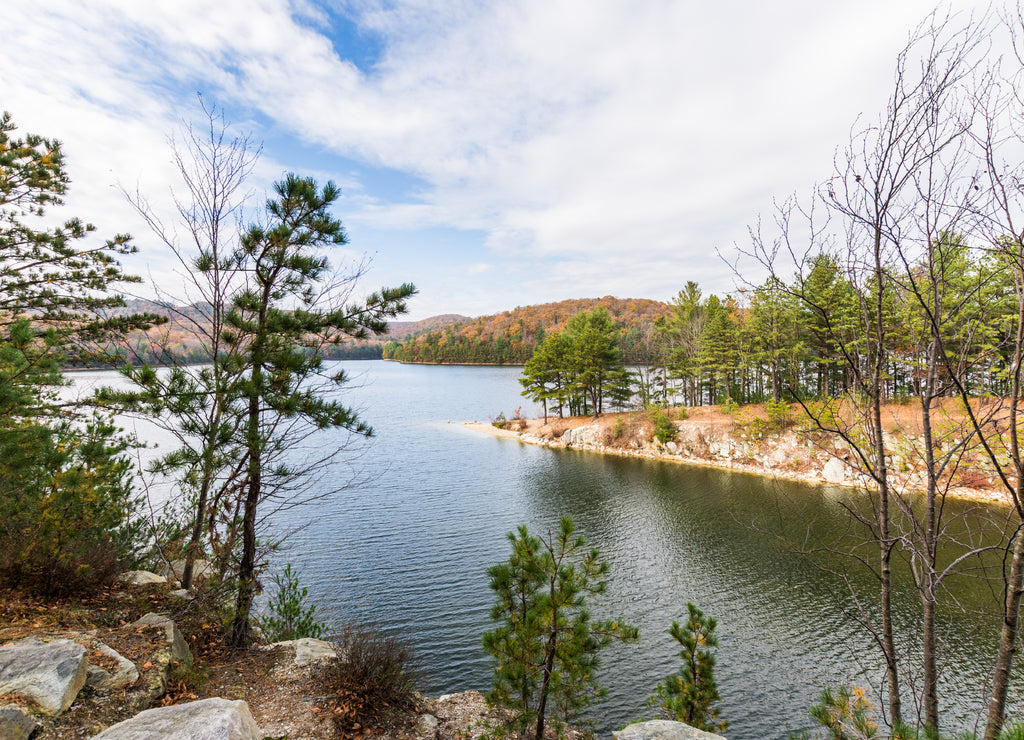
(278, 326)
(546, 646)
(689, 696)
(55, 274)
(66, 502)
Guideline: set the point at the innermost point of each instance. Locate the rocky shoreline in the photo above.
(709, 438)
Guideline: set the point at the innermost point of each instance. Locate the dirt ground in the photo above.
(285, 700)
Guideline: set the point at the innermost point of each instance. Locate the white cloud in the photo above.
(627, 141)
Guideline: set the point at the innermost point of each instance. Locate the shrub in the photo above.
(373, 672)
(289, 618)
(729, 406)
(499, 421)
(779, 417)
(665, 430)
(619, 429)
(68, 515)
(845, 713)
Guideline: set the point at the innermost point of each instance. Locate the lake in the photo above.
(406, 546)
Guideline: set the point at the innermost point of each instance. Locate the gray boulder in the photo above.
(125, 674)
(15, 724)
(308, 650)
(50, 674)
(208, 719)
(140, 578)
(115, 673)
(180, 651)
(663, 729)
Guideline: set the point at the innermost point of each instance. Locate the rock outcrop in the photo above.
(49, 674)
(175, 650)
(208, 719)
(662, 729)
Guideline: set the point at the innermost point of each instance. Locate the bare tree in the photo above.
(903, 190)
(191, 403)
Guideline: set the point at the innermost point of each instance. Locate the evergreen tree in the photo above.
(542, 378)
(579, 366)
(278, 326)
(288, 617)
(689, 696)
(546, 646)
(55, 274)
(829, 317)
(719, 349)
(682, 330)
(593, 355)
(66, 501)
(774, 319)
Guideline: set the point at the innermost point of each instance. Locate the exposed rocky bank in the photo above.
(744, 442)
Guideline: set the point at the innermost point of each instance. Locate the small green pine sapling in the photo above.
(846, 714)
(288, 617)
(545, 644)
(664, 428)
(689, 696)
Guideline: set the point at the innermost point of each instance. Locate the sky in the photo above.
(496, 154)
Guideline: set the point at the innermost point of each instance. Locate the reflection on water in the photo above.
(409, 550)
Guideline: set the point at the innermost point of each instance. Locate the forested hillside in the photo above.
(509, 338)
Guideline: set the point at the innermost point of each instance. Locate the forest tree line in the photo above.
(780, 340)
(510, 338)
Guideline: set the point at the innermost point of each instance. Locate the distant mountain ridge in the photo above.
(504, 338)
(181, 336)
(509, 338)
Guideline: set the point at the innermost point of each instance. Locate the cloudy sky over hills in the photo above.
(494, 153)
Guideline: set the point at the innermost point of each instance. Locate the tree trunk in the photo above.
(1007, 641)
(549, 659)
(885, 543)
(239, 638)
(930, 689)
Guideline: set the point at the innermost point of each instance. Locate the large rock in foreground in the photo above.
(663, 729)
(50, 674)
(209, 719)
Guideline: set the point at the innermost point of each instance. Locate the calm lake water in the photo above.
(408, 545)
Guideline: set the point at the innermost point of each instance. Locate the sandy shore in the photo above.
(487, 428)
